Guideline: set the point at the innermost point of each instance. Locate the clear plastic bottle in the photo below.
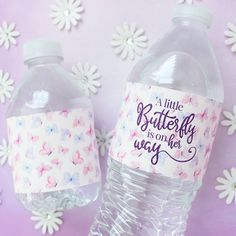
(43, 106)
(152, 201)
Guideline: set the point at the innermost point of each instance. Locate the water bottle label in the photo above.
(165, 131)
(53, 151)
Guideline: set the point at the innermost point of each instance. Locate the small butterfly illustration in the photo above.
(52, 129)
(78, 122)
(127, 98)
(45, 150)
(180, 173)
(203, 115)
(88, 168)
(77, 159)
(57, 163)
(192, 100)
(26, 168)
(207, 132)
(33, 138)
(88, 149)
(51, 182)
(207, 150)
(71, 178)
(121, 155)
(18, 140)
(43, 168)
(133, 134)
(197, 173)
(213, 117)
(214, 130)
(36, 122)
(79, 137)
(20, 123)
(63, 150)
(65, 134)
(64, 113)
(90, 131)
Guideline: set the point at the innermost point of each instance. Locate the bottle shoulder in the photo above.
(46, 88)
(184, 60)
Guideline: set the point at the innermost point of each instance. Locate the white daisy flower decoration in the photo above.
(6, 86)
(230, 121)
(66, 13)
(231, 35)
(5, 153)
(87, 77)
(129, 41)
(227, 186)
(8, 34)
(49, 222)
(103, 140)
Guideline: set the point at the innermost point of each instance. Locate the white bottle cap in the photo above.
(41, 48)
(193, 12)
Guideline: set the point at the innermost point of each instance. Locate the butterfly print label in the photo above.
(53, 151)
(165, 131)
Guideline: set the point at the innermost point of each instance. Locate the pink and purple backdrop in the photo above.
(90, 42)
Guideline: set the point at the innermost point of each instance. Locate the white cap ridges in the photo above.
(41, 48)
(193, 12)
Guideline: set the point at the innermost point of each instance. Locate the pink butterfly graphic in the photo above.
(46, 150)
(64, 113)
(127, 97)
(213, 117)
(77, 159)
(63, 150)
(207, 150)
(192, 100)
(90, 131)
(88, 168)
(33, 138)
(214, 130)
(133, 134)
(51, 182)
(197, 173)
(203, 115)
(88, 149)
(43, 168)
(57, 163)
(121, 155)
(18, 140)
(78, 122)
(180, 173)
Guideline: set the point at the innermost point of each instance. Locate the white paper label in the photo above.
(165, 131)
(53, 151)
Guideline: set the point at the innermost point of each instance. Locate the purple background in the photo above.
(91, 42)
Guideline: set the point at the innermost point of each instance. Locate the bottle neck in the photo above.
(39, 61)
(189, 22)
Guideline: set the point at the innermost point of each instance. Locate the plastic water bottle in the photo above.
(50, 122)
(164, 134)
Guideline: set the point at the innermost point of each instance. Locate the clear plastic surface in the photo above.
(47, 87)
(151, 204)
